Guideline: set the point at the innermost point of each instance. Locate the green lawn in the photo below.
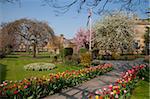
(12, 67)
(141, 91)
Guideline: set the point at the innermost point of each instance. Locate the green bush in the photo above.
(2, 54)
(68, 52)
(76, 58)
(95, 54)
(99, 57)
(83, 50)
(96, 62)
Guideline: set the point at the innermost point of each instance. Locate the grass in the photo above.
(12, 67)
(141, 91)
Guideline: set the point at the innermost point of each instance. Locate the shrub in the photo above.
(39, 66)
(96, 62)
(55, 58)
(68, 51)
(76, 58)
(115, 55)
(147, 59)
(83, 50)
(95, 54)
(100, 57)
(2, 54)
(86, 59)
(106, 57)
(61, 54)
(130, 57)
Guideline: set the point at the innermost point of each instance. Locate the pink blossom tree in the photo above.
(82, 39)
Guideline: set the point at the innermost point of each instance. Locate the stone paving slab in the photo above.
(98, 82)
(76, 92)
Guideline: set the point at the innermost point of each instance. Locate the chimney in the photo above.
(61, 38)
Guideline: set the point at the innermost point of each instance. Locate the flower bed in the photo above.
(41, 87)
(39, 66)
(121, 89)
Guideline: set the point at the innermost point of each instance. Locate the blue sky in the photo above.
(66, 24)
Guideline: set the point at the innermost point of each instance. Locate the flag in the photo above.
(89, 15)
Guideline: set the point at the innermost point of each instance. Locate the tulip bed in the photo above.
(40, 87)
(122, 88)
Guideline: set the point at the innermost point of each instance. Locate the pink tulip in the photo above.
(104, 89)
(110, 87)
(5, 84)
(125, 91)
(25, 86)
(116, 97)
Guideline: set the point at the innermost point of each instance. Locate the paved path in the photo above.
(98, 82)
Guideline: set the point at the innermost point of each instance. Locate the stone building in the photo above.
(60, 43)
(140, 30)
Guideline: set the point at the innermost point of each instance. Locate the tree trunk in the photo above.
(34, 50)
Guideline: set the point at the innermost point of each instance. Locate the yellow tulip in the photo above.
(114, 91)
(96, 97)
(19, 87)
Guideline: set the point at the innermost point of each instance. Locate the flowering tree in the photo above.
(82, 39)
(114, 32)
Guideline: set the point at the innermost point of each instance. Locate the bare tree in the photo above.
(7, 41)
(98, 6)
(31, 32)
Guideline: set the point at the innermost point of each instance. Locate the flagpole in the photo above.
(90, 30)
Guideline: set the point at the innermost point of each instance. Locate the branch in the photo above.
(99, 12)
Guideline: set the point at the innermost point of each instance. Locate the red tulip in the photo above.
(15, 85)
(15, 92)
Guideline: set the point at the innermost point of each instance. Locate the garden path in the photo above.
(98, 82)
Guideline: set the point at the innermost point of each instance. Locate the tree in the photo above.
(82, 39)
(147, 39)
(7, 41)
(99, 6)
(31, 32)
(114, 32)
